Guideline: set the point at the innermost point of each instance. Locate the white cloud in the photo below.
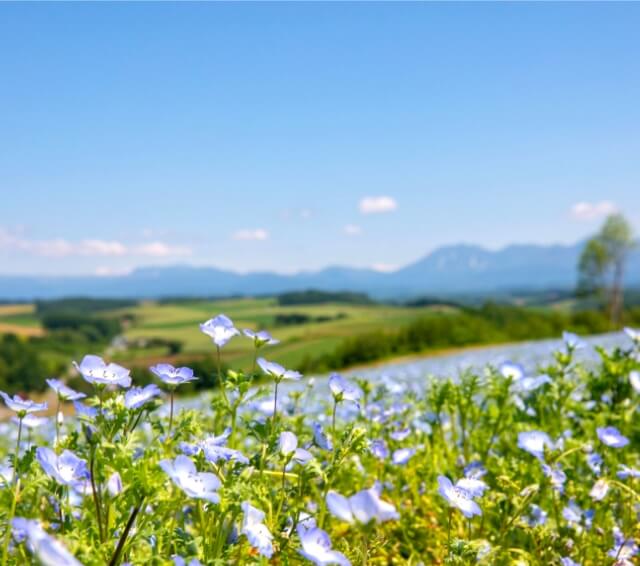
(593, 210)
(352, 230)
(251, 234)
(59, 247)
(384, 267)
(104, 271)
(374, 205)
(160, 249)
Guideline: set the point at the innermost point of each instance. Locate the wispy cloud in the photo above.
(593, 210)
(352, 230)
(255, 234)
(60, 247)
(376, 205)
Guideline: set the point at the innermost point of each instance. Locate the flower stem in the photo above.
(115, 559)
(220, 380)
(170, 410)
(275, 409)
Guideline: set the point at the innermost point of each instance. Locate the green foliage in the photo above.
(315, 297)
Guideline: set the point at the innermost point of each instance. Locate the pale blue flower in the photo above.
(611, 436)
(199, 485)
(6, 474)
(529, 384)
(566, 561)
(31, 421)
(49, 551)
(220, 329)
(573, 341)
(288, 446)
(510, 370)
(260, 338)
(66, 469)
(316, 547)
(114, 484)
(139, 396)
(343, 390)
(634, 334)
(634, 379)
(535, 442)
(64, 392)
(379, 449)
(20, 406)
(320, 438)
(624, 548)
(179, 561)
(457, 497)
(362, 507)
(401, 456)
(473, 486)
(400, 434)
(599, 490)
(537, 516)
(255, 530)
(625, 472)
(556, 476)
(277, 371)
(594, 461)
(94, 370)
(173, 376)
(83, 410)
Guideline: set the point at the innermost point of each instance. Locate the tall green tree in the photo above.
(602, 263)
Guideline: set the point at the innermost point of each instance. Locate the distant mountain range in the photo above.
(447, 271)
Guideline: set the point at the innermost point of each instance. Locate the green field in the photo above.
(180, 321)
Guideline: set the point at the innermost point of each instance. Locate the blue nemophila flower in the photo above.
(534, 442)
(320, 438)
(260, 338)
(94, 370)
(64, 392)
(83, 410)
(556, 476)
(634, 334)
(624, 548)
(537, 516)
(567, 561)
(20, 406)
(529, 384)
(575, 516)
(114, 484)
(66, 469)
(31, 421)
(288, 446)
(343, 390)
(316, 547)
(139, 396)
(363, 507)
(594, 461)
(173, 376)
(49, 551)
(611, 436)
(214, 449)
(401, 456)
(458, 497)
(625, 472)
(220, 329)
(510, 370)
(634, 380)
(573, 341)
(599, 490)
(199, 485)
(474, 486)
(255, 530)
(179, 561)
(277, 371)
(400, 434)
(379, 449)
(475, 470)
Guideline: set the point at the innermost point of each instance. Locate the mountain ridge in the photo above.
(448, 270)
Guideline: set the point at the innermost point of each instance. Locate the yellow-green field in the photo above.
(19, 319)
(180, 321)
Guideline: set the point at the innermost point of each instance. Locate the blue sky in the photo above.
(296, 136)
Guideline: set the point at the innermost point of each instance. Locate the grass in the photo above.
(19, 319)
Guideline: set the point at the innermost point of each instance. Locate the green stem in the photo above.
(115, 559)
(275, 409)
(220, 380)
(170, 410)
(333, 419)
(57, 417)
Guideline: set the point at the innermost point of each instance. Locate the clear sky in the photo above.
(296, 136)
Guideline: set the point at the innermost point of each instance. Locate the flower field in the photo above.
(482, 464)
